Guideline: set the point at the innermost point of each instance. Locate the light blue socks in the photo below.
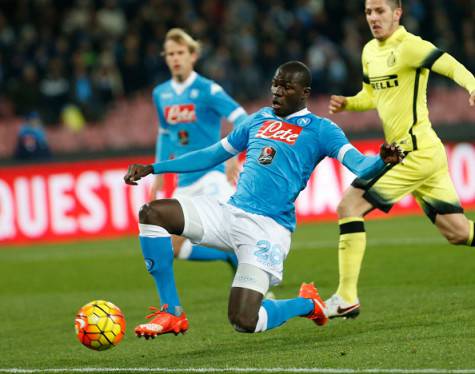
(158, 254)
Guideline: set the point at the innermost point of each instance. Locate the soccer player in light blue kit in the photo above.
(190, 108)
(284, 144)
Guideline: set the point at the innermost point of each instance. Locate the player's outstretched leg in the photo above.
(158, 220)
(248, 312)
(274, 313)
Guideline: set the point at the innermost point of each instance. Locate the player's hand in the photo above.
(471, 99)
(232, 170)
(337, 104)
(137, 172)
(391, 153)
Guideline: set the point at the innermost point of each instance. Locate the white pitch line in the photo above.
(235, 369)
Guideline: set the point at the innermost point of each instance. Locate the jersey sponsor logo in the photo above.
(383, 82)
(182, 113)
(267, 155)
(278, 130)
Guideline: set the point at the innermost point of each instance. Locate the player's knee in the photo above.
(344, 208)
(243, 322)
(144, 214)
(149, 215)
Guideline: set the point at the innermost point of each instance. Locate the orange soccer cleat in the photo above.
(162, 323)
(309, 291)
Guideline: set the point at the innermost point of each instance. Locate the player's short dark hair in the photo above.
(300, 69)
(395, 3)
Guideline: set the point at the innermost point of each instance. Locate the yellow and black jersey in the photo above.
(395, 75)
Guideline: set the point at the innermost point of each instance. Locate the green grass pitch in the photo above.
(417, 293)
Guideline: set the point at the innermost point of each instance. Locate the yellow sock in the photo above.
(471, 233)
(351, 248)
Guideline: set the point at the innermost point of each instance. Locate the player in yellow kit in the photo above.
(396, 67)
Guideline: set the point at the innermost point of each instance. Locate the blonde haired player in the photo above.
(396, 67)
(190, 108)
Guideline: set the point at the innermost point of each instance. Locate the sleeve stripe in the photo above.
(228, 147)
(343, 150)
(431, 58)
(236, 113)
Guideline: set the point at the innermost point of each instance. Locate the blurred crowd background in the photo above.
(81, 66)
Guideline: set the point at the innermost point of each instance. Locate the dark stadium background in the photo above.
(87, 68)
(100, 59)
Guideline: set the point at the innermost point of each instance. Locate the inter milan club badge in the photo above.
(267, 155)
(391, 59)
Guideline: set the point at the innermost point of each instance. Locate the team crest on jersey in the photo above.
(182, 113)
(183, 137)
(391, 59)
(303, 121)
(267, 155)
(279, 130)
(194, 93)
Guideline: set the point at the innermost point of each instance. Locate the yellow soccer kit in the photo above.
(395, 76)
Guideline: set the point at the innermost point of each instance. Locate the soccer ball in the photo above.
(100, 325)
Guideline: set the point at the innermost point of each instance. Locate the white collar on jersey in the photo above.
(180, 87)
(301, 112)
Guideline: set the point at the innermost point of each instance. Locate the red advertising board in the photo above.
(88, 199)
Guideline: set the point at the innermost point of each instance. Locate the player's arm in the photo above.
(448, 66)
(202, 159)
(368, 166)
(336, 145)
(420, 53)
(362, 101)
(220, 102)
(234, 113)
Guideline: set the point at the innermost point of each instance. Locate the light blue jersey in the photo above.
(190, 116)
(281, 155)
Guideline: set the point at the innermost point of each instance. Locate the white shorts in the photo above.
(257, 240)
(213, 184)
